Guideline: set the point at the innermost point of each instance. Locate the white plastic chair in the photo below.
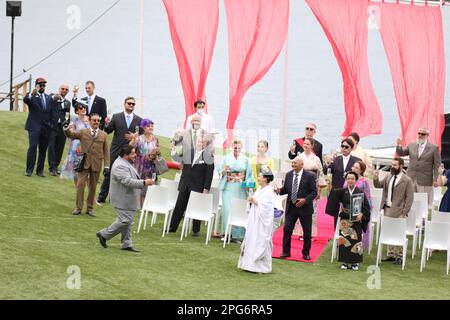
(238, 217)
(437, 196)
(393, 232)
(413, 226)
(215, 182)
(422, 197)
(177, 177)
(334, 251)
(156, 201)
(216, 207)
(375, 219)
(200, 207)
(173, 190)
(376, 192)
(437, 237)
(442, 217)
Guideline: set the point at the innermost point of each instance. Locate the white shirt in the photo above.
(131, 115)
(389, 195)
(197, 155)
(299, 178)
(197, 132)
(90, 99)
(422, 148)
(345, 160)
(94, 132)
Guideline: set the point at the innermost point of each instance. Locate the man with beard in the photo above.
(397, 199)
(125, 197)
(424, 163)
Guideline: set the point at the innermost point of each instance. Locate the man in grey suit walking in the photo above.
(125, 197)
(424, 162)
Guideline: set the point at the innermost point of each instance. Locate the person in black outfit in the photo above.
(95, 104)
(196, 176)
(38, 125)
(297, 146)
(300, 186)
(126, 127)
(60, 111)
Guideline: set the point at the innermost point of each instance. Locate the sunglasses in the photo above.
(309, 129)
(345, 146)
(131, 103)
(422, 134)
(95, 120)
(41, 84)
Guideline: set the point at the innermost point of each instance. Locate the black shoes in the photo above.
(90, 213)
(76, 212)
(102, 240)
(306, 257)
(40, 174)
(399, 261)
(130, 249)
(388, 259)
(284, 255)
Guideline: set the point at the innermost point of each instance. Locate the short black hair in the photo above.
(196, 103)
(348, 141)
(354, 135)
(126, 150)
(400, 161)
(353, 173)
(93, 115)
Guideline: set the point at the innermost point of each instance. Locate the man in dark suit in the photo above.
(60, 113)
(297, 146)
(341, 164)
(197, 175)
(95, 104)
(38, 125)
(126, 126)
(300, 186)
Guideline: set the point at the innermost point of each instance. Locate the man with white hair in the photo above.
(424, 162)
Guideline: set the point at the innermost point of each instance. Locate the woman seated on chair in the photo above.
(256, 249)
(351, 225)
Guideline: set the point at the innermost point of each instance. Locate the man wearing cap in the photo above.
(95, 104)
(38, 125)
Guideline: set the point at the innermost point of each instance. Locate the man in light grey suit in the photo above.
(397, 199)
(125, 197)
(424, 162)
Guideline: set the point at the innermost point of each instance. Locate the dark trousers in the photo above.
(104, 189)
(178, 212)
(37, 139)
(56, 149)
(306, 222)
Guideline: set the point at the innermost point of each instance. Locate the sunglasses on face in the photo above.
(422, 134)
(309, 129)
(41, 84)
(131, 103)
(95, 120)
(345, 146)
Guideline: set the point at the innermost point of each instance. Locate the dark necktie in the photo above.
(44, 105)
(294, 189)
(393, 186)
(94, 133)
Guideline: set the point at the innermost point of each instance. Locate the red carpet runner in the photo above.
(325, 231)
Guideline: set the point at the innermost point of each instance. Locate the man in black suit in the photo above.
(341, 164)
(297, 146)
(197, 176)
(126, 126)
(300, 186)
(60, 111)
(95, 104)
(38, 125)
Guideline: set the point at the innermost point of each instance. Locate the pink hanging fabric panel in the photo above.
(345, 25)
(414, 43)
(257, 31)
(193, 27)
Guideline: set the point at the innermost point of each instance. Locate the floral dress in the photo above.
(67, 171)
(144, 164)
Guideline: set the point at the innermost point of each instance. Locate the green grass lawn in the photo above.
(40, 239)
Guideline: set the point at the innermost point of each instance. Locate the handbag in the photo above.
(78, 162)
(160, 165)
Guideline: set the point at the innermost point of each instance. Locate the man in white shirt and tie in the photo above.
(397, 199)
(424, 163)
(95, 103)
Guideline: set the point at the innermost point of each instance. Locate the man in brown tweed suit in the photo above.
(94, 143)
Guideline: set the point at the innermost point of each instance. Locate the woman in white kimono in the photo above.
(256, 250)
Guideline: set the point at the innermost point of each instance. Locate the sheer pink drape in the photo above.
(193, 27)
(414, 43)
(257, 31)
(345, 25)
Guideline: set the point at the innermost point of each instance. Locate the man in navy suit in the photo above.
(95, 104)
(300, 186)
(38, 125)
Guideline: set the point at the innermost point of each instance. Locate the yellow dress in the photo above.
(256, 167)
